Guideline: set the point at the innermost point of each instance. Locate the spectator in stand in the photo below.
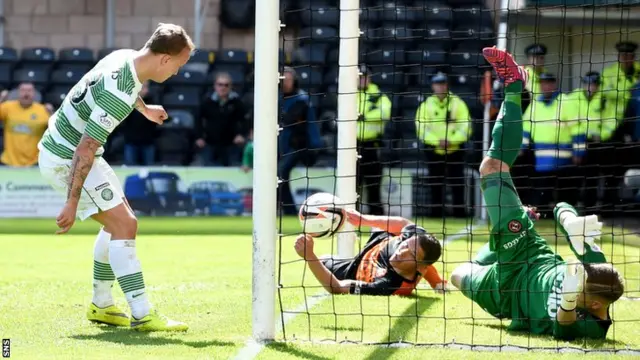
(247, 153)
(222, 125)
(140, 135)
(443, 124)
(25, 120)
(299, 137)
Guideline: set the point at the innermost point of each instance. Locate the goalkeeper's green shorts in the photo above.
(482, 287)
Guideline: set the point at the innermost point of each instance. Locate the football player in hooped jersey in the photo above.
(517, 275)
(394, 260)
(71, 160)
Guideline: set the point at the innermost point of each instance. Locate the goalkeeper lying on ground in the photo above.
(517, 275)
(394, 260)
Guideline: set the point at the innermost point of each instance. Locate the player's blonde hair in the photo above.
(169, 39)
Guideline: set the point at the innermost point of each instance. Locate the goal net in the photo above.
(424, 60)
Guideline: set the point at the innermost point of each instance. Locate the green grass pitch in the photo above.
(199, 271)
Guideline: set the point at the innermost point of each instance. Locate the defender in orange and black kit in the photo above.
(393, 261)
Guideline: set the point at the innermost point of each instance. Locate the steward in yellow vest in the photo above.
(536, 56)
(374, 109)
(558, 144)
(443, 124)
(618, 79)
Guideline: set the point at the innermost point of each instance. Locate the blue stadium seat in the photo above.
(76, 55)
(466, 77)
(421, 77)
(65, 77)
(427, 54)
(464, 56)
(391, 54)
(247, 99)
(8, 55)
(75, 67)
(309, 77)
(332, 57)
(331, 76)
(311, 54)
(436, 12)
(183, 100)
(5, 75)
(232, 56)
(388, 77)
(474, 15)
(467, 32)
(368, 13)
(38, 55)
(179, 119)
(104, 52)
(320, 13)
(174, 145)
(437, 32)
(394, 33)
(56, 95)
(199, 61)
(323, 34)
(395, 11)
(188, 78)
(37, 76)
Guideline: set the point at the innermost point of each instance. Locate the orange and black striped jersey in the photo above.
(372, 268)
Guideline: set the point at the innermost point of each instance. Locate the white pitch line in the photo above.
(253, 348)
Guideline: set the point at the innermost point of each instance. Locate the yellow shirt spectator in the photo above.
(23, 128)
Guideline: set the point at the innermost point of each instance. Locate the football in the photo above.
(322, 215)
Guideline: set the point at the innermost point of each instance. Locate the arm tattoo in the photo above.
(81, 165)
(140, 105)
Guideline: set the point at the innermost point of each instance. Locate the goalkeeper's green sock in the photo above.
(125, 264)
(507, 132)
(103, 276)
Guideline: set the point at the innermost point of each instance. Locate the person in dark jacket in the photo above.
(140, 135)
(222, 127)
(299, 138)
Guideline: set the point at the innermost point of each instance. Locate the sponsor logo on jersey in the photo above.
(515, 226)
(102, 186)
(515, 241)
(115, 74)
(105, 121)
(107, 195)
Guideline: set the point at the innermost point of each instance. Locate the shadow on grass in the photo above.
(604, 344)
(292, 350)
(402, 326)
(129, 337)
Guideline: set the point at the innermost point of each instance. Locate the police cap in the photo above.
(626, 47)
(547, 77)
(439, 78)
(535, 50)
(592, 77)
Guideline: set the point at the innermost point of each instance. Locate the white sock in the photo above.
(125, 264)
(103, 276)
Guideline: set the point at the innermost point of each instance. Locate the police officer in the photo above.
(558, 146)
(374, 109)
(536, 56)
(618, 79)
(443, 123)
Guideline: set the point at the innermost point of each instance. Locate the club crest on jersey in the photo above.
(107, 195)
(115, 74)
(105, 121)
(515, 226)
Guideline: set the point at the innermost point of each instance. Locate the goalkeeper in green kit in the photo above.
(517, 275)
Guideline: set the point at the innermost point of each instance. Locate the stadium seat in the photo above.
(237, 74)
(421, 77)
(410, 101)
(309, 77)
(329, 102)
(65, 77)
(388, 77)
(37, 76)
(463, 56)
(75, 67)
(370, 35)
(320, 13)
(387, 54)
(199, 61)
(474, 15)
(247, 100)
(427, 54)
(76, 55)
(174, 145)
(323, 34)
(311, 54)
(436, 12)
(395, 11)
(437, 32)
(38, 55)
(231, 56)
(368, 14)
(56, 95)
(5, 75)
(331, 76)
(8, 55)
(183, 100)
(104, 52)
(471, 32)
(188, 78)
(332, 57)
(180, 119)
(395, 33)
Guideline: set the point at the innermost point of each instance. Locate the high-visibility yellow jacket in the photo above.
(597, 116)
(375, 108)
(555, 140)
(446, 119)
(533, 83)
(617, 85)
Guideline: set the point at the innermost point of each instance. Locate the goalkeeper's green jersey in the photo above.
(530, 276)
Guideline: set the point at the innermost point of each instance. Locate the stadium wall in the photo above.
(80, 23)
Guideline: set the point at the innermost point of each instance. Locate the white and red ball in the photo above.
(322, 215)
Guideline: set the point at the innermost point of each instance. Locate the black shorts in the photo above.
(339, 267)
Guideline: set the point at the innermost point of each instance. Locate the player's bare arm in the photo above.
(390, 224)
(304, 247)
(80, 166)
(155, 113)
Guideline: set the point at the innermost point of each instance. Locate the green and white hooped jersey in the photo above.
(95, 105)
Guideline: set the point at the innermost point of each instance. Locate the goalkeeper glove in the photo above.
(572, 285)
(581, 230)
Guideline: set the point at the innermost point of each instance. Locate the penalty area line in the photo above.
(253, 348)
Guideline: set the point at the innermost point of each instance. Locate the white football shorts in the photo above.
(101, 191)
